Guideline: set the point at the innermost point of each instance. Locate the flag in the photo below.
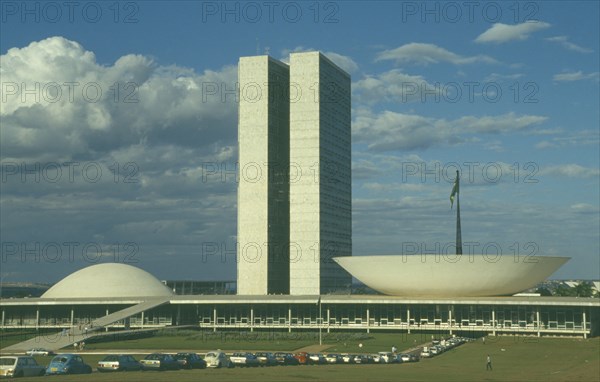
(454, 191)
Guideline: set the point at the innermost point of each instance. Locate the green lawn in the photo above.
(340, 342)
(11, 337)
(523, 359)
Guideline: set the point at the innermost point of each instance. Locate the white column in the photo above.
(328, 319)
(3, 317)
(215, 318)
(537, 318)
(289, 319)
(142, 321)
(37, 318)
(368, 320)
(450, 319)
(493, 321)
(252, 319)
(408, 319)
(583, 324)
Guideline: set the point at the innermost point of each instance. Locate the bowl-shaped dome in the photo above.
(108, 280)
(450, 275)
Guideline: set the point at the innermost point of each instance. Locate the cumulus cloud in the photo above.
(501, 33)
(424, 54)
(152, 133)
(60, 103)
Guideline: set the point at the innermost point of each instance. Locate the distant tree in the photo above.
(565, 291)
(543, 291)
(584, 289)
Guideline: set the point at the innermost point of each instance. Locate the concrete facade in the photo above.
(530, 316)
(320, 174)
(263, 189)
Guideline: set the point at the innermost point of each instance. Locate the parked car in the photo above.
(244, 359)
(286, 359)
(362, 359)
(20, 366)
(218, 359)
(426, 353)
(348, 358)
(266, 359)
(385, 357)
(39, 351)
(316, 359)
(118, 362)
(160, 362)
(333, 358)
(437, 349)
(302, 358)
(68, 364)
(190, 361)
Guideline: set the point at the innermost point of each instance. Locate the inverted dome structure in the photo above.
(450, 275)
(108, 280)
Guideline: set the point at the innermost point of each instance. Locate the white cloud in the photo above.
(45, 118)
(575, 76)
(585, 208)
(424, 54)
(159, 143)
(565, 43)
(390, 130)
(545, 145)
(496, 77)
(391, 86)
(500, 33)
(569, 139)
(571, 171)
(498, 124)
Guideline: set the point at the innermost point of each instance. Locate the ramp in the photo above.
(60, 340)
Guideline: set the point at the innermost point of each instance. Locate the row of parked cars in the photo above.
(440, 346)
(27, 366)
(24, 366)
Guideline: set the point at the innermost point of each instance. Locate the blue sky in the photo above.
(509, 90)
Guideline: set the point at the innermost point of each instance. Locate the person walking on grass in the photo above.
(488, 365)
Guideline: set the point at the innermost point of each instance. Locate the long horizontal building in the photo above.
(491, 315)
(108, 297)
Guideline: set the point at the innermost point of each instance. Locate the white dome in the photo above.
(450, 276)
(108, 280)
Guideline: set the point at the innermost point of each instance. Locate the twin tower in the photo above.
(294, 190)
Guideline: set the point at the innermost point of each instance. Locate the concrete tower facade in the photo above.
(263, 188)
(294, 190)
(320, 174)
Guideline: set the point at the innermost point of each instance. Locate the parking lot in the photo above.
(514, 358)
(86, 363)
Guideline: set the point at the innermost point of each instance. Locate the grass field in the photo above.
(513, 358)
(198, 341)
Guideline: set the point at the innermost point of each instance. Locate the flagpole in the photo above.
(458, 229)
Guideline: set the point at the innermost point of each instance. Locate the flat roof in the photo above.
(314, 299)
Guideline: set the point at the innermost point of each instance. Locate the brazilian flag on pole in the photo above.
(454, 191)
